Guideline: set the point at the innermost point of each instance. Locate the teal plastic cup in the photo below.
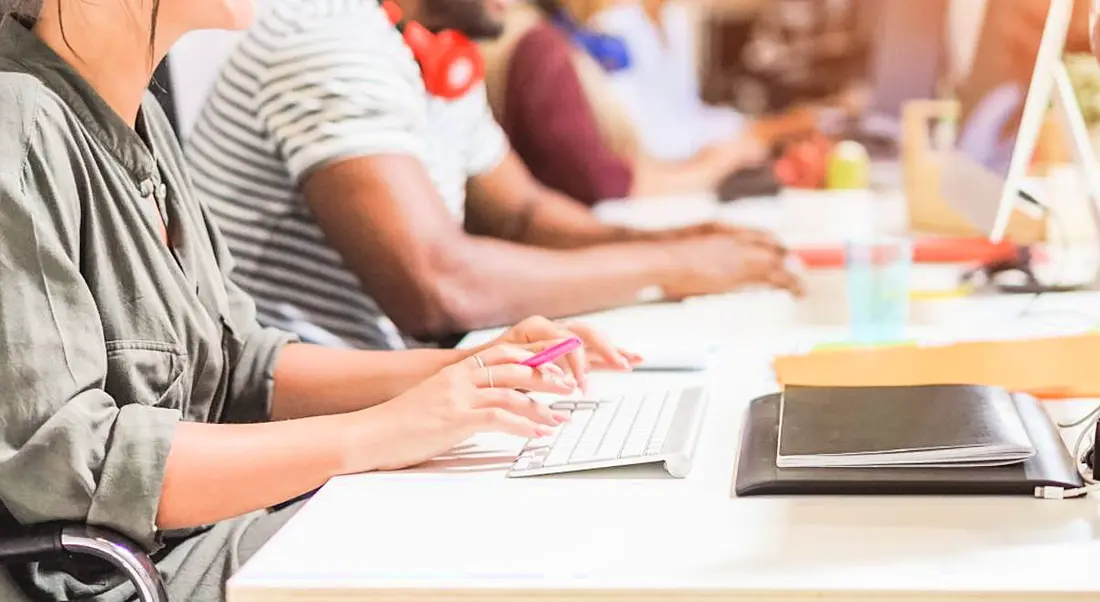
(878, 273)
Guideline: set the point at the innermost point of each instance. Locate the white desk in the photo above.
(457, 529)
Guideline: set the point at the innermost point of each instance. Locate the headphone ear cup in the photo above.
(451, 65)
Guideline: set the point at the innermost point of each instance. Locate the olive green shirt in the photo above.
(108, 337)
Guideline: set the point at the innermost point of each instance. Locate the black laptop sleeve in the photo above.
(757, 473)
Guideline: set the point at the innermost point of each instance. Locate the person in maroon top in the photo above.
(551, 125)
(553, 128)
(543, 106)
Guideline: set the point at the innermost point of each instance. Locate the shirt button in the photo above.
(147, 187)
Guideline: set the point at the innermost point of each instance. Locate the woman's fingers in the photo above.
(576, 362)
(501, 420)
(501, 355)
(519, 404)
(515, 376)
(633, 358)
(599, 345)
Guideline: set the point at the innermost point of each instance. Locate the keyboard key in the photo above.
(615, 437)
(568, 437)
(635, 425)
(664, 422)
(595, 433)
(642, 430)
(609, 446)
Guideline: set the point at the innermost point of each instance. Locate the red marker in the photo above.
(553, 353)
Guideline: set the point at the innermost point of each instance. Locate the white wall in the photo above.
(196, 61)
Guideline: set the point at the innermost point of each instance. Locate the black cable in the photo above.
(1060, 230)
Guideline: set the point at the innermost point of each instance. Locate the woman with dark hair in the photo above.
(139, 392)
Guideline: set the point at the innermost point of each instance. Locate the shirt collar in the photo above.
(22, 51)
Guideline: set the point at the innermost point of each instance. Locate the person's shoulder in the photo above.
(22, 97)
(36, 132)
(545, 37)
(355, 24)
(30, 110)
(305, 46)
(542, 46)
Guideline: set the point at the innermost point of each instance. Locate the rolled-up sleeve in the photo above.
(68, 450)
(253, 350)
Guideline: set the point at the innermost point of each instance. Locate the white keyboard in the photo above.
(659, 425)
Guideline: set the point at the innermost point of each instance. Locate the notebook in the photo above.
(757, 474)
(935, 425)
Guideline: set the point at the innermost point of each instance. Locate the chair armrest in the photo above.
(120, 552)
(30, 546)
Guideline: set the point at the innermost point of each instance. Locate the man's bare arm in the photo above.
(384, 216)
(509, 203)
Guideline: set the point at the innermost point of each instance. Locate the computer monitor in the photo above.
(985, 175)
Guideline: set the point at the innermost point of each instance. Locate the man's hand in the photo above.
(719, 263)
(740, 153)
(745, 234)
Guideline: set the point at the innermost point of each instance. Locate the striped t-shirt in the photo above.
(314, 82)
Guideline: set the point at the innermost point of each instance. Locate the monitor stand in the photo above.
(1068, 112)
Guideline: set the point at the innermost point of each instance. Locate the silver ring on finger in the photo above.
(489, 377)
(480, 362)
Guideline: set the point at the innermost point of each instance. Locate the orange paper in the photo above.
(1052, 368)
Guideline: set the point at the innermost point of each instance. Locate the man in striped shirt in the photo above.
(341, 186)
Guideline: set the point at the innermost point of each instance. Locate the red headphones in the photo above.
(450, 64)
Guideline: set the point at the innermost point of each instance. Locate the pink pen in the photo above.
(553, 353)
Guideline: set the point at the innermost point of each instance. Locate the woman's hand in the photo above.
(480, 394)
(597, 352)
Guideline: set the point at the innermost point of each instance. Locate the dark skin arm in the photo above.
(384, 216)
(509, 203)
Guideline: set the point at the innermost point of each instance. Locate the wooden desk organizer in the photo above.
(929, 212)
